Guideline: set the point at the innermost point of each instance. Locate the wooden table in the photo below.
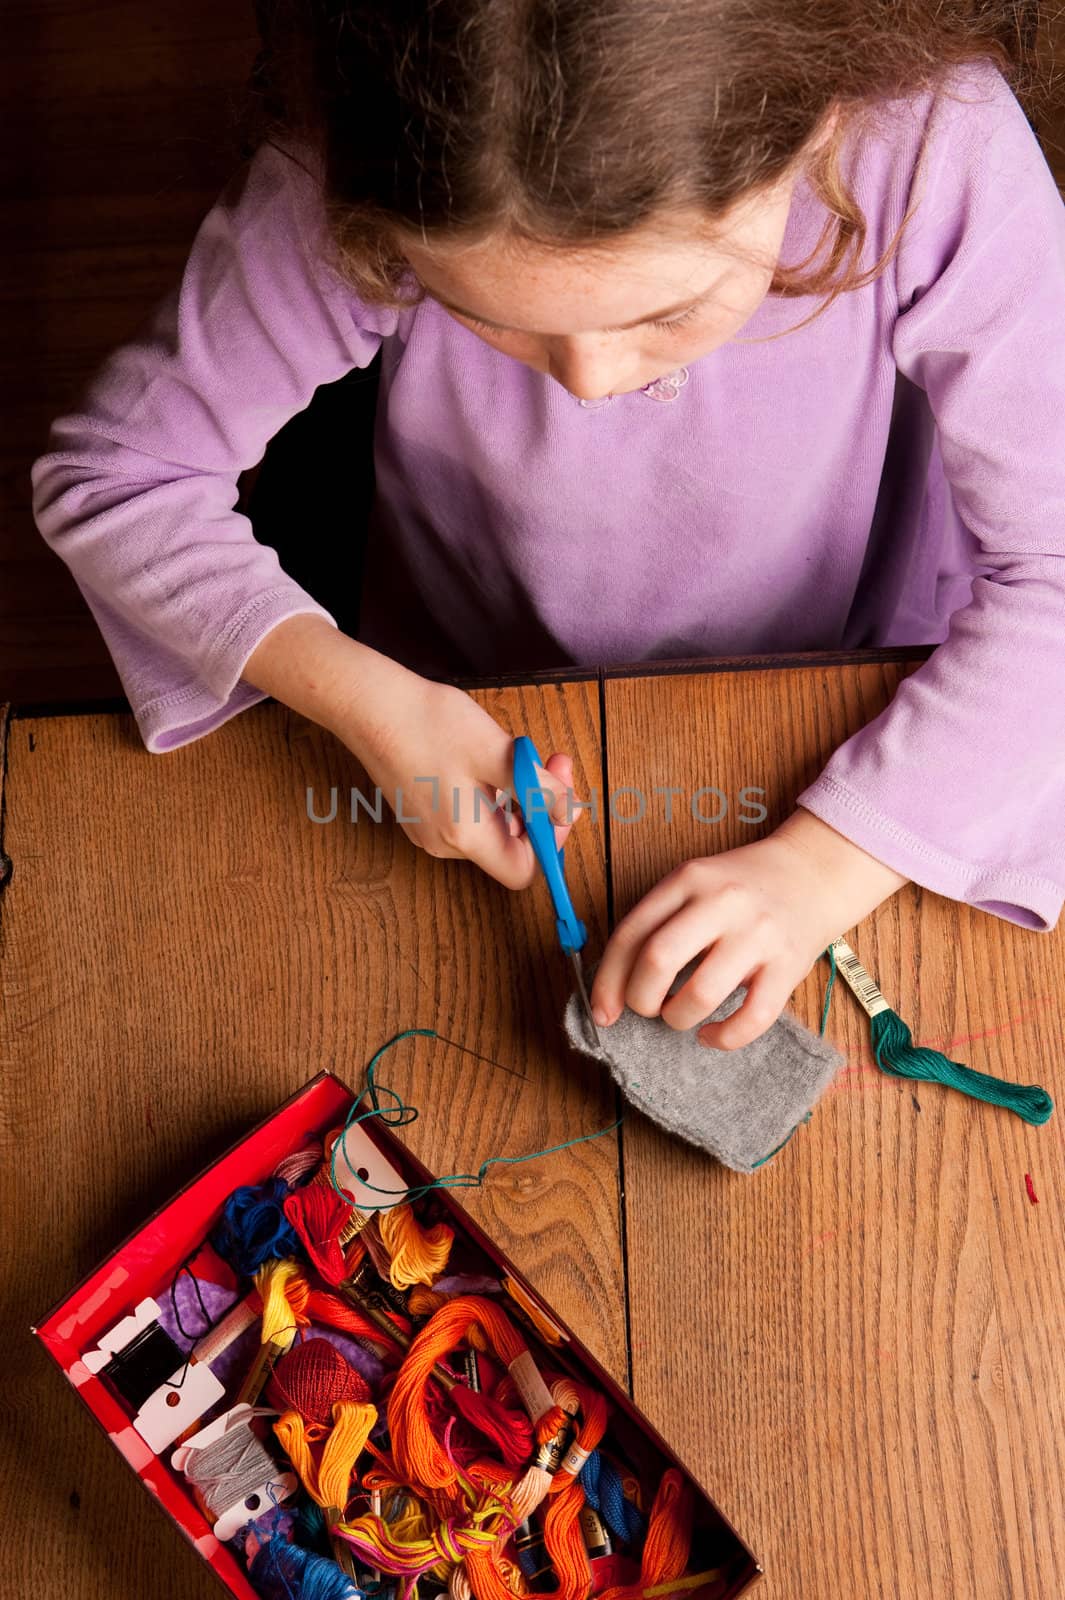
(857, 1351)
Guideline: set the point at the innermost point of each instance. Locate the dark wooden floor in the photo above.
(120, 124)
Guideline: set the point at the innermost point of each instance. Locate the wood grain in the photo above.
(182, 948)
(868, 1327)
(858, 1348)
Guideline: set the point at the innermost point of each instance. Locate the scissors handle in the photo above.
(528, 791)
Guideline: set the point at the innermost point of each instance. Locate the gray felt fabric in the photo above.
(739, 1105)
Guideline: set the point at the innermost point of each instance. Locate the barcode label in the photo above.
(857, 979)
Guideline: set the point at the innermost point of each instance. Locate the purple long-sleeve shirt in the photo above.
(892, 474)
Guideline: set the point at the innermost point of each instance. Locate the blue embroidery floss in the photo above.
(254, 1229)
(601, 1482)
(283, 1571)
(310, 1528)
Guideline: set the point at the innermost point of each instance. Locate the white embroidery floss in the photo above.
(232, 1472)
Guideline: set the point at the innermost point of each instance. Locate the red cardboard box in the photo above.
(149, 1258)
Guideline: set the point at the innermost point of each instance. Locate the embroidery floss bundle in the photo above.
(284, 1571)
(285, 1561)
(417, 1255)
(427, 1406)
(418, 1453)
(604, 1492)
(296, 1168)
(896, 1053)
(325, 1217)
(564, 1524)
(234, 1476)
(254, 1229)
(481, 1510)
(323, 1401)
(666, 1548)
(324, 1426)
(319, 1215)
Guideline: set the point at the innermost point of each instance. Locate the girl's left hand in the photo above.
(763, 912)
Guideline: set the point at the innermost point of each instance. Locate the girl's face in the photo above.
(609, 320)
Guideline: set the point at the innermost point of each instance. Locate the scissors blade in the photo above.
(575, 957)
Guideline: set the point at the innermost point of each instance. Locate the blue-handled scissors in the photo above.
(529, 793)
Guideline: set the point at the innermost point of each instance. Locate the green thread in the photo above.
(831, 954)
(896, 1054)
(780, 1146)
(399, 1115)
(893, 1049)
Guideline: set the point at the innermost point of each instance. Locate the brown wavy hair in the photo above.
(570, 122)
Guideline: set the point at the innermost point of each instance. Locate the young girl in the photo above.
(705, 330)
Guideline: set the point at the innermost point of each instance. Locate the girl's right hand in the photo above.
(437, 758)
(440, 762)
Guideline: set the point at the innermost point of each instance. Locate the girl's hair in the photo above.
(571, 122)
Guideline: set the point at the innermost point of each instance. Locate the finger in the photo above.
(557, 785)
(768, 993)
(560, 767)
(558, 773)
(496, 798)
(624, 945)
(493, 836)
(567, 810)
(681, 938)
(494, 763)
(555, 799)
(500, 845)
(497, 843)
(725, 966)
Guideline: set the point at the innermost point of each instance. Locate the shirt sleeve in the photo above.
(960, 782)
(137, 488)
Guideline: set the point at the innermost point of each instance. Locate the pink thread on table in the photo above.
(1030, 1186)
(846, 1076)
(987, 1033)
(856, 1069)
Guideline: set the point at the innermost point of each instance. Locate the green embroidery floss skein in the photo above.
(896, 1053)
